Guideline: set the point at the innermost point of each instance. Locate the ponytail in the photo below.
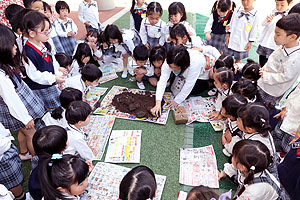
(132, 7)
(233, 6)
(214, 8)
(57, 113)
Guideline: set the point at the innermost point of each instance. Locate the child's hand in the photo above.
(60, 79)
(297, 135)
(147, 45)
(90, 164)
(261, 72)
(87, 23)
(93, 46)
(281, 114)
(30, 125)
(60, 86)
(156, 110)
(215, 116)
(248, 46)
(221, 174)
(70, 34)
(227, 28)
(63, 70)
(269, 19)
(226, 137)
(208, 36)
(227, 39)
(172, 105)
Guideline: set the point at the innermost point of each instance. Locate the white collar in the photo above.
(36, 46)
(289, 51)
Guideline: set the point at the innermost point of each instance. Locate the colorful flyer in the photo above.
(94, 95)
(108, 76)
(218, 125)
(124, 146)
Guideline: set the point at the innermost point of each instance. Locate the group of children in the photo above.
(46, 75)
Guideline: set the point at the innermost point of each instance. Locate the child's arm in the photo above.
(84, 150)
(74, 27)
(162, 38)
(208, 26)
(297, 135)
(59, 30)
(132, 24)
(281, 114)
(253, 32)
(143, 32)
(81, 17)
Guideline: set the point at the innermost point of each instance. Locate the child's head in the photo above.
(254, 117)
(157, 56)
(250, 157)
(17, 21)
(247, 89)
(83, 54)
(47, 10)
(78, 113)
(90, 74)
(139, 183)
(12, 10)
(223, 78)
(287, 29)
(138, 2)
(201, 193)
(178, 59)
(63, 9)
(251, 70)
(283, 5)
(248, 4)
(222, 7)
(112, 34)
(177, 12)
(179, 35)
(140, 55)
(36, 5)
(92, 36)
(62, 175)
(37, 26)
(64, 60)
(295, 9)
(223, 61)
(154, 12)
(231, 104)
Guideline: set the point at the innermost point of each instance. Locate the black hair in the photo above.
(12, 10)
(92, 33)
(67, 96)
(251, 70)
(46, 7)
(177, 7)
(180, 57)
(27, 3)
(112, 31)
(223, 5)
(32, 21)
(141, 52)
(49, 140)
(138, 184)
(225, 61)
(246, 88)
(17, 21)
(290, 24)
(157, 53)
(179, 30)
(256, 116)
(154, 7)
(61, 5)
(295, 9)
(63, 59)
(232, 103)
(83, 49)
(225, 76)
(251, 153)
(201, 193)
(90, 72)
(132, 7)
(77, 111)
(64, 172)
(288, 1)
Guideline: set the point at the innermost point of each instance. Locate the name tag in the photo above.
(225, 23)
(143, 16)
(248, 27)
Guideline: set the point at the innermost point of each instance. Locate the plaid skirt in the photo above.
(264, 51)
(50, 96)
(267, 98)
(69, 44)
(281, 138)
(153, 42)
(236, 54)
(217, 41)
(10, 167)
(57, 44)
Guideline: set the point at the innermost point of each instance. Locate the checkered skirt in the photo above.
(57, 44)
(69, 44)
(50, 96)
(264, 51)
(10, 167)
(281, 138)
(267, 98)
(217, 41)
(236, 54)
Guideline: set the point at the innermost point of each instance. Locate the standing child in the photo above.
(89, 16)
(153, 29)
(215, 29)
(34, 5)
(65, 28)
(242, 31)
(157, 59)
(137, 13)
(266, 41)
(81, 57)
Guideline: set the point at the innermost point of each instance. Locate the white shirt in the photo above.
(49, 120)
(281, 71)
(128, 36)
(5, 140)
(191, 74)
(77, 83)
(187, 25)
(89, 12)
(75, 68)
(68, 25)
(147, 66)
(222, 94)
(77, 144)
(153, 31)
(209, 23)
(242, 30)
(132, 22)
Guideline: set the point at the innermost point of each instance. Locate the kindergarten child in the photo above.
(157, 60)
(139, 183)
(266, 41)
(138, 12)
(92, 40)
(215, 29)
(64, 61)
(205, 193)
(81, 57)
(251, 70)
(153, 29)
(36, 5)
(89, 16)
(242, 31)
(65, 27)
(250, 160)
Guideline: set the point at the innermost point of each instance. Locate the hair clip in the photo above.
(252, 168)
(56, 156)
(224, 196)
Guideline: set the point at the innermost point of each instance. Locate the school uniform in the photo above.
(149, 68)
(187, 25)
(216, 26)
(49, 120)
(236, 134)
(243, 29)
(89, 12)
(77, 143)
(62, 29)
(77, 83)
(5, 194)
(138, 15)
(184, 82)
(55, 39)
(153, 35)
(221, 96)
(131, 39)
(112, 56)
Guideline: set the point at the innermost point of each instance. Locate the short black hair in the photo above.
(17, 21)
(295, 9)
(90, 72)
(141, 52)
(61, 5)
(288, 1)
(27, 3)
(179, 30)
(177, 7)
(77, 111)
(63, 59)
(112, 31)
(83, 49)
(12, 10)
(157, 53)
(46, 6)
(232, 103)
(290, 24)
(180, 57)
(154, 7)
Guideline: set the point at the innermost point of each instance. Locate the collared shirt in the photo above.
(89, 12)
(149, 68)
(187, 25)
(77, 83)
(64, 27)
(159, 30)
(49, 120)
(5, 140)
(132, 22)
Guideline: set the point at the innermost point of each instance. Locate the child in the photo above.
(11, 11)
(64, 61)
(57, 116)
(89, 16)
(90, 76)
(157, 60)
(153, 29)
(137, 13)
(295, 9)
(46, 141)
(65, 28)
(250, 160)
(63, 177)
(282, 68)
(205, 193)
(78, 115)
(247, 89)
(215, 29)
(139, 183)
(81, 57)
(141, 68)
(92, 40)
(223, 79)
(232, 133)
(242, 31)
(11, 174)
(266, 41)
(34, 5)
(251, 70)
(41, 73)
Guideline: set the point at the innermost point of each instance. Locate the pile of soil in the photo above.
(136, 104)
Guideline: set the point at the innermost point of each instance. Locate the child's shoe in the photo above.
(226, 153)
(212, 92)
(141, 85)
(124, 74)
(25, 156)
